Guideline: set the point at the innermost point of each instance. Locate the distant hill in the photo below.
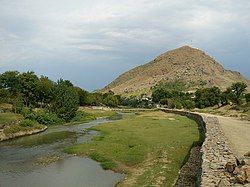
(190, 65)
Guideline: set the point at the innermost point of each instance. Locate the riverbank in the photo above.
(11, 126)
(25, 132)
(150, 147)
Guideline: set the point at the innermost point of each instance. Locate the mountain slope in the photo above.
(187, 64)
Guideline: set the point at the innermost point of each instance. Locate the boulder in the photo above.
(247, 154)
(224, 183)
(240, 179)
(243, 175)
(230, 167)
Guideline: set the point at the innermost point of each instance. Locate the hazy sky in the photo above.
(90, 42)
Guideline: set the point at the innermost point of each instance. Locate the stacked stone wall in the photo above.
(215, 152)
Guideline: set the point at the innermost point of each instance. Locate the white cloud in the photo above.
(92, 30)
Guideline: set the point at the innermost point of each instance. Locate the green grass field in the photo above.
(6, 118)
(150, 147)
(97, 113)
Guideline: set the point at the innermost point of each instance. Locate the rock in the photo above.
(246, 170)
(247, 154)
(240, 179)
(243, 175)
(246, 161)
(236, 170)
(224, 183)
(230, 167)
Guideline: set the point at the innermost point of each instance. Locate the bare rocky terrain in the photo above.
(190, 65)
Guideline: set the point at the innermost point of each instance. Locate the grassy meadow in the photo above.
(150, 147)
(98, 113)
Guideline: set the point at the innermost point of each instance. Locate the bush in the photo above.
(83, 116)
(188, 104)
(247, 96)
(47, 118)
(26, 112)
(178, 105)
(27, 123)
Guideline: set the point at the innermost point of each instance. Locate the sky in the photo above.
(91, 42)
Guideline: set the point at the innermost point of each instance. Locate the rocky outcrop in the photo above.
(3, 136)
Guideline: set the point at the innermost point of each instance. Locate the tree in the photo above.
(207, 97)
(65, 101)
(225, 97)
(4, 95)
(44, 90)
(237, 90)
(111, 100)
(247, 96)
(83, 96)
(28, 83)
(10, 80)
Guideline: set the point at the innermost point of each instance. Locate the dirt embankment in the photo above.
(4, 136)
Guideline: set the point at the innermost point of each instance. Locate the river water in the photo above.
(39, 160)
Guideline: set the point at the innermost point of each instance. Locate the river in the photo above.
(39, 160)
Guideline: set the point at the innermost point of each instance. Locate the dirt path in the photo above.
(237, 132)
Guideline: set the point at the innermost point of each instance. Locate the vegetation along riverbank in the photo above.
(150, 147)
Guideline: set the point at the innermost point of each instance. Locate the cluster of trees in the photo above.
(141, 101)
(174, 97)
(61, 98)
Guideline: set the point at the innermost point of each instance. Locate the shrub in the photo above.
(82, 116)
(247, 96)
(188, 104)
(47, 118)
(178, 105)
(27, 113)
(27, 123)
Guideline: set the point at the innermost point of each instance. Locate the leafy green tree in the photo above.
(207, 97)
(44, 88)
(10, 80)
(65, 101)
(188, 104)
(28, 83)
(4, 95)
(237, 89)
(247, 96)
(83, 96)
(111, 100)
(225, 97)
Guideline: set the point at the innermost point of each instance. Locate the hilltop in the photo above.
(190, 65)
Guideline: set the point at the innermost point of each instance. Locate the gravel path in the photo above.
(237, 132)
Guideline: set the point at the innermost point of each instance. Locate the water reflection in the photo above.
(29, 161)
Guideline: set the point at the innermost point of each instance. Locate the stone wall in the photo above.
(215, 151)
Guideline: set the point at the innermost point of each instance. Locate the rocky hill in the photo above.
(190, 65)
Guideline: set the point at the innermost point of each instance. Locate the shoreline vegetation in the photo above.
(145, 146)
(16, 125)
